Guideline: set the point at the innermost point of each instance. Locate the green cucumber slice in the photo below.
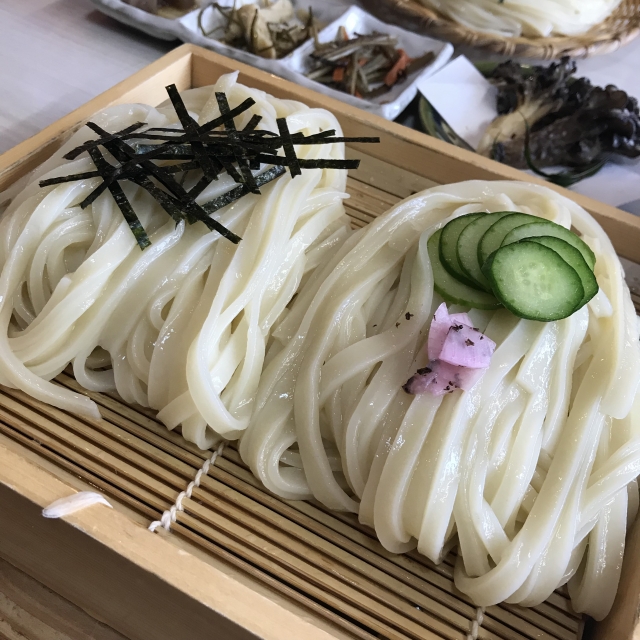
(574, 259)
(534, 282)
(497, 232)
(449, 246)
(468, 247)
(547, 228)
(452, 290)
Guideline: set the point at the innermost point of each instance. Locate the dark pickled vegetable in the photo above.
(571, 122)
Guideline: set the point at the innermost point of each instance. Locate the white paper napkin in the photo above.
(463, 97)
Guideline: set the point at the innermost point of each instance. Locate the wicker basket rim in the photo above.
(622, 26)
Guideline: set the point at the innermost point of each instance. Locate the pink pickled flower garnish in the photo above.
(440, 378)
(439, 329)
(458, 355)
(467, 347)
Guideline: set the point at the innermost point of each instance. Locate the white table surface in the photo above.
(56, 55)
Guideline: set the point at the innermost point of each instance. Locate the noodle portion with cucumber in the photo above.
(531, 473)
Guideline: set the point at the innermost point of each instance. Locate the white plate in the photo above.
(156, 26)
(293, 67)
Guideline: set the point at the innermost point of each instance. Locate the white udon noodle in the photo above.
(181, 326)
(526, 17)
(532, 473)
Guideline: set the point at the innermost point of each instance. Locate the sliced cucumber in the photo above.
(449, 246)
(534, 282)
(574, 259)
(468, 247)
(546, 228)
(496, 233)
(452, 290)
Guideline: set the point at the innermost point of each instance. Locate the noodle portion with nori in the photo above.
(182, 326)
(530, 474)
(206, 149)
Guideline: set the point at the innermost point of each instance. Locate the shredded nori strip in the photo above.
(243, 163)
(74, 153)
(72, 178)
(191, 127)
(287, 145)
(121, 200)
(183, 167)
(253, 123)
(242, 190)
(164, 199)
(207, 148)
(319, 163)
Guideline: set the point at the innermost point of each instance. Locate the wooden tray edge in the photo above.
(69, 556)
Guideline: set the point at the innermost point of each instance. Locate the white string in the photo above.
(170, 515)
(474, 627)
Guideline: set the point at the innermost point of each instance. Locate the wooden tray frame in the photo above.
(145, 585)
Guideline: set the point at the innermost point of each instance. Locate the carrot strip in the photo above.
(338, 74)
(399, 66)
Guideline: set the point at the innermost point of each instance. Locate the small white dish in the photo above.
(355, 20)
(325, 11)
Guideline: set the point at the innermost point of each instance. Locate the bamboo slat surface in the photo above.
(325, 561)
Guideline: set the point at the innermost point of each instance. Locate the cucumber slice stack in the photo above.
(535, 268)
(453, 290)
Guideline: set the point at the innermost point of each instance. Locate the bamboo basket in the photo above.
(618, 29)
(240, 563)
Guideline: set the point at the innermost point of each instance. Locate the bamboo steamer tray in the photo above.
(239, 562)
(622, 26)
